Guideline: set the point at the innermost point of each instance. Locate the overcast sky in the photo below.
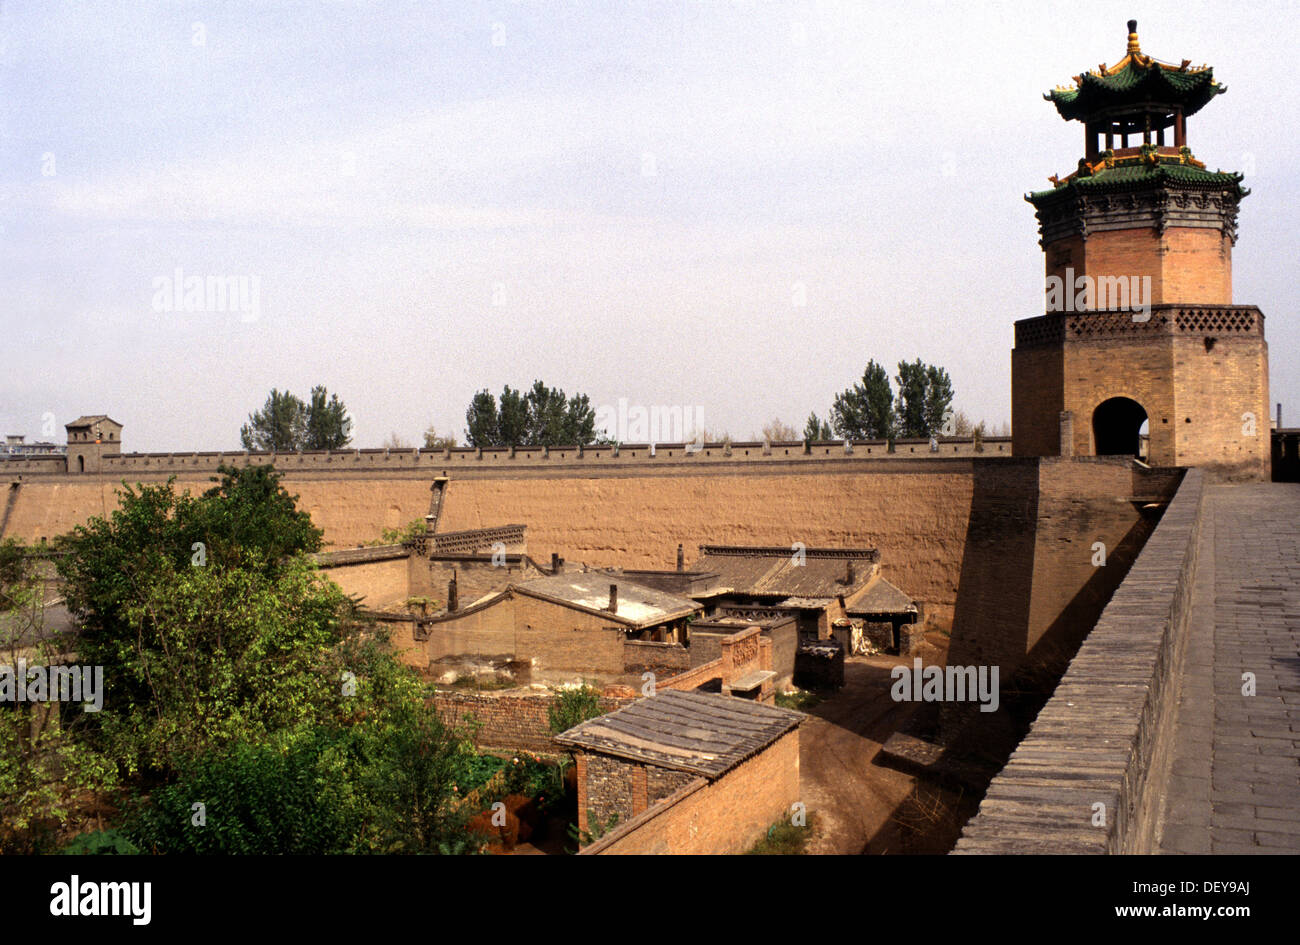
(621, 199)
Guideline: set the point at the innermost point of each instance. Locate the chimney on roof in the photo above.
(613, 599)
(555, 563)
(681, 557)
(849, 576)
(452, 602)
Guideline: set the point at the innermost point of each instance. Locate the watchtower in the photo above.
(1141, 351)
(91, 438)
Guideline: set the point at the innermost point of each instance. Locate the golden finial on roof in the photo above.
(1133, 47)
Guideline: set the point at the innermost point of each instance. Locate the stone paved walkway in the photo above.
(1235, 783)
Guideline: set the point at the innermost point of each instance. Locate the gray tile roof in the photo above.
(638, 605)
(685, 731)
(772, 571)
(882, 597)
(86, 421)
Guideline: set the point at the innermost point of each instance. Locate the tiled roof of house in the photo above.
(637, 605)
(882, 597)
(820, 573)
(685, 731)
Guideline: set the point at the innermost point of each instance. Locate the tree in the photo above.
(580, 423)
(395, 441)
(279, 427)
(278, 797)
(816, 429)
(42, 772)
(573, 706)
(961, 424)
(543, 416)
(548, 412)
(481, 420)
(432, 441)
(924, 399)
(328, 424)
(414, 766)
(512, 419)
(240, 677)
(203, 611)
(864, 411)
(938, 401)
(286, 425)
(777, 431)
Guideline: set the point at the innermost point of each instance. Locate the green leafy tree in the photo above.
(247, 513)
(203, 611)
(924, 399)
(286, 796)
(548, 413)
(938, 402)
(573, 707)
(286, 424)
(43, 769)
(543, 416)
(865, 410)
(248, 510)
(816, 429)
(513, 422)
(481, 420)
(415, 766)
(580, 423)
(328, 425)
(243, 679)
(213, 656)
(911, 411)
(279, 427)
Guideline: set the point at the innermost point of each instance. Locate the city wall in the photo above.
(628, 511)
(1104, 736)
(1015, 534)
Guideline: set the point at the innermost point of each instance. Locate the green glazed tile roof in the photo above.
(1139, 81)
(1138, 176)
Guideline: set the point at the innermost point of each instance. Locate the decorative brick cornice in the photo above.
(1158, 206)
(1060, 327)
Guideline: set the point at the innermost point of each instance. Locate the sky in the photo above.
(725, 207)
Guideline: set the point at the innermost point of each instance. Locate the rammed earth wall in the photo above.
(629, 511)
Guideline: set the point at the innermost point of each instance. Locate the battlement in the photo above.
(440, 461)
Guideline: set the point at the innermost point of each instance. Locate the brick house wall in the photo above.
(724, 816)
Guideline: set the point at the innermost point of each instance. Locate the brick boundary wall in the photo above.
(648, 656)
(694, 678)
(1105, 735)
(517, 721)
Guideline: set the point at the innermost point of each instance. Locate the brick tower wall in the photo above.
(1185, 264)
(1223, 392)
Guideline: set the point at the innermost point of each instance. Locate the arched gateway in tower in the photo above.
(1140, 324)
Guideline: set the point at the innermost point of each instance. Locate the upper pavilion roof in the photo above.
(1133, 81)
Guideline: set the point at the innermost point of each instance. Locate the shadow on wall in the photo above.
(991, 616)
(1049, 541)
(1049, 657)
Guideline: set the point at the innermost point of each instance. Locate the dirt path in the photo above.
(851, 798)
